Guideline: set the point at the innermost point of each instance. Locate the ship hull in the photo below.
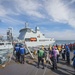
(6, 45)
(33, 44)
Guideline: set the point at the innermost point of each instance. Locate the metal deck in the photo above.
(14, 68)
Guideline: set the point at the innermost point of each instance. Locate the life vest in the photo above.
(22, 51)
(17, 49)
(41, 53)
(59, 48)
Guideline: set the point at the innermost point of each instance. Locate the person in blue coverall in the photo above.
(17, 48)
(22, 53)
(68, 54)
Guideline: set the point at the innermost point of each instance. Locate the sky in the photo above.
(55, 18)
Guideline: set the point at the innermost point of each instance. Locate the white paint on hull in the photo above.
(33, 44)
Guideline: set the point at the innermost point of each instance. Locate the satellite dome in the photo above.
(37, 29)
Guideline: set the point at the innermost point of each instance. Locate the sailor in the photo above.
(68, 54)
(63, 52)
(54, 59)
(41, 54)
(73, 59)
(48, 57)
(57, 54)
(74, 52)
(22, 53)
(17, 48)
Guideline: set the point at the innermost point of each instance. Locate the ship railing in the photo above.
(51, 39)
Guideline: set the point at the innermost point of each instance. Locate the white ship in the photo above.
(5, 45)
(6, 51)
(34, 38)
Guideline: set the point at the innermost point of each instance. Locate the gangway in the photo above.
(29, 51)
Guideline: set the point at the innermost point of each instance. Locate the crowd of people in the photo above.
(53, 53)
(50, 54)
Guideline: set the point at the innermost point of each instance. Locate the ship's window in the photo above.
(27, 39)
(1, 43)
(8, 43)
(43, 34)
(28, 30)
(43, 40)
(38, 36)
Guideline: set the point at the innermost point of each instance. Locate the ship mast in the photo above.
(26, 24)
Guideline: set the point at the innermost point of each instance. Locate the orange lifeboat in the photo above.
(33, 39)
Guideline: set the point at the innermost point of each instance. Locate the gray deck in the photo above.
(31, 69)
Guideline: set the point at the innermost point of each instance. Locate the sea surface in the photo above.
(60, 42)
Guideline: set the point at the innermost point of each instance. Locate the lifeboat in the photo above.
(33, 39)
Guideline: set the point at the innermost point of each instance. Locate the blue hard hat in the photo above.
(17, 45)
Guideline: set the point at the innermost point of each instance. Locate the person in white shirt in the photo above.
(63, 53)
(57, 55)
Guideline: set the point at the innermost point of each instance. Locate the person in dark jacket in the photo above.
(17, 48)
(22, 53)
(68, 55)
(73, 59)
(54, 59)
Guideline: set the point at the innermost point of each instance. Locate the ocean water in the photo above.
(60, 42)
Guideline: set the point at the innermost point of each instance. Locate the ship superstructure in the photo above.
(34, 38)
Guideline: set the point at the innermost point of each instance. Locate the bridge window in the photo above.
(1, 43)
(27, 39)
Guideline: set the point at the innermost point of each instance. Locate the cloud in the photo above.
(17, 8)
(29, 7)
(44, 10)
(7, 7)
(55, 10)
(4, 15)
(65, 35)
(61, 12)
(11, 21)
(2, 31)
(2, 11)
